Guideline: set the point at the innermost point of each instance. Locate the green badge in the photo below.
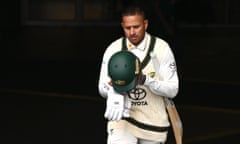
(152, 74)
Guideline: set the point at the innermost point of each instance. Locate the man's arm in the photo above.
(167, 82)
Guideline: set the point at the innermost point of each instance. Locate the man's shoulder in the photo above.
(157, 38)
(160, 41)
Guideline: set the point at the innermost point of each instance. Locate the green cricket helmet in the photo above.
(123, 68)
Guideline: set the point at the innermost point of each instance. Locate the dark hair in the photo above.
(132, 9)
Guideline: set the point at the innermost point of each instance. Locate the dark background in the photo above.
(51, 56)
(48, 49)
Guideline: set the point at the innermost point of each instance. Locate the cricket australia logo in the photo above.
(137, 95)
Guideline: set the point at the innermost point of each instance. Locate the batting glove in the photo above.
(127, 106)
(114, 106)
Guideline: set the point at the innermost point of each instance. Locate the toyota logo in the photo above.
(137, 94)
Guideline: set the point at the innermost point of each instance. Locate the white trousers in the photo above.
(118, 136)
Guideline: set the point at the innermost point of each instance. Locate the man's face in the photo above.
(134, 27)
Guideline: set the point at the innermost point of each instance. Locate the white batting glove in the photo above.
(114, 106)
(127, 106)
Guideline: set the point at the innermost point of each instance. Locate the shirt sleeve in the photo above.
(104, 80)
(167, 84)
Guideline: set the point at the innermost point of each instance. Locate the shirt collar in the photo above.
(141, 46)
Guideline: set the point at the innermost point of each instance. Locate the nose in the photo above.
(132, 31)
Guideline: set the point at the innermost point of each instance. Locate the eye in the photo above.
(115, 66)
(125, 65)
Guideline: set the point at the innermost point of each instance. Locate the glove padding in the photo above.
(118, 106)
(115, 105)
(127, 106)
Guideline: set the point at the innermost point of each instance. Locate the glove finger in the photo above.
(106, 114)
(118, 114)
(114, 115)
(111, 115)
(119, 117)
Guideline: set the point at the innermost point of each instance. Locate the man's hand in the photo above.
(114, 105)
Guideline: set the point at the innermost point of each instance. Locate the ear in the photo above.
(122, 24)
